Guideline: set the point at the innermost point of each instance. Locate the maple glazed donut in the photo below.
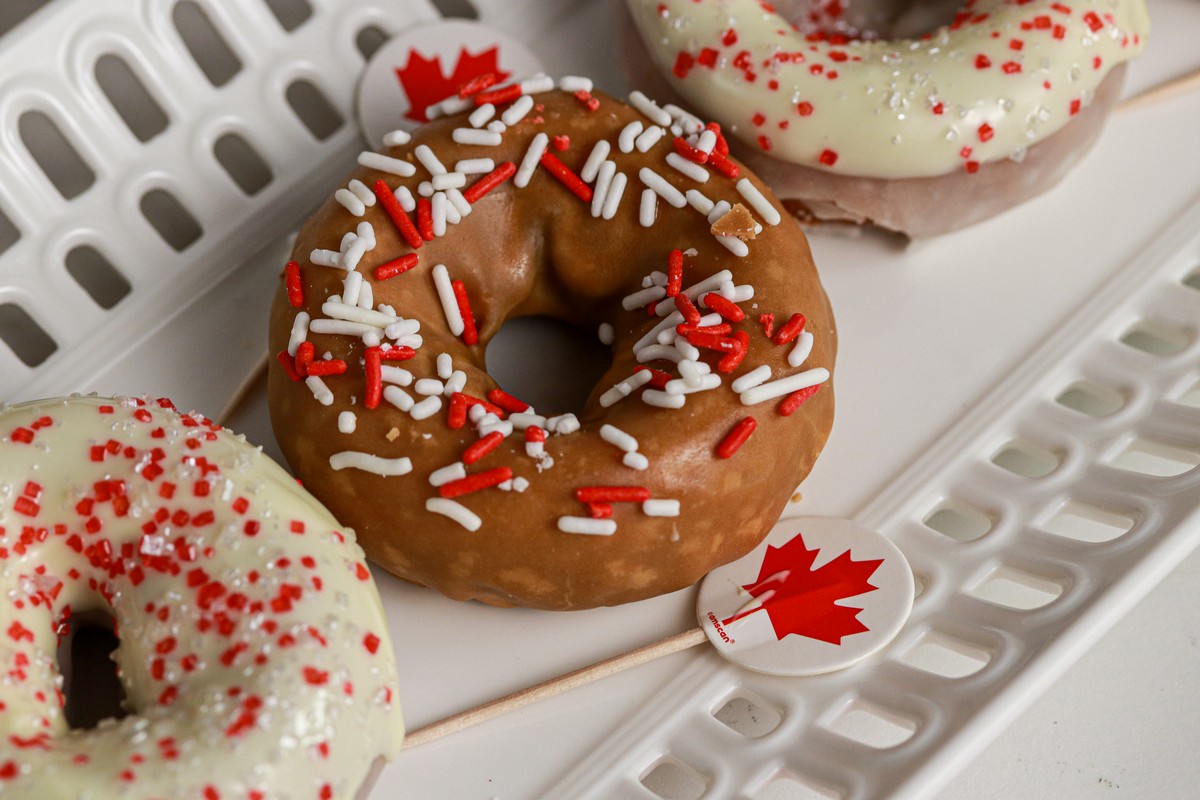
(869, 112)
(581, 208)
(253, 652)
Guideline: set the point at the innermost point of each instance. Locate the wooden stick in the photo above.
(244, 389)
(1163, 91)
(571, 680)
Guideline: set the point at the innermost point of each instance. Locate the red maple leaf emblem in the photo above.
(424, 83)
(801, 600)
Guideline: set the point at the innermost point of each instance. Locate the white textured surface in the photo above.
(1001, 288)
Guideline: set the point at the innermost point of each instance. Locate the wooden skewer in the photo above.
(1163, 91)
(571, 680)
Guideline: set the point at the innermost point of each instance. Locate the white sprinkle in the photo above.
(643, 297)
(475, 166)
(445, 366)
(689, 168)
(353, 313)
(398, 397)
(475, 136)
(693, 292)
(366, 232)
(396, 138)
(592, 166)
(653, 397)
(740, 294)
(425, 189)
(347, 422)
(451, 180)
(520, 484)
(657, 351)
(426, 408)
(698, 201)
(405, 198)
(536, 84)
(754, 377)
(535, 449)
(526, 419)
(651, 336)
(649, 138)
(628, 136)
(649, 108)
(299, 332)
(482, 115)
(800, 353)
(496, 126)
(517, 111)
(352, 288)
(450, 472)
(690, 123)
(660, 508)
(783, 386)
(626, 387)
(382, 163)
(354, 253)
(504, 427)
(563, 424)
(758, 202)
(402, 327)
(458, 202)
(452, 215)
(648, 209)
(719, 210)
(603, 181)
(707, 141)
(455, 511)
(398, 376)
(530, 162)
(606, 333)
(451, 105)
(619, 438)
(341, 327)
(635, 461)
(371, 339)
(428, 386)
(350, 202)
(360, 190)
(353, 459)
(661, 187)
(613, 199)
(575, 83)
(429, 160)
(455, 383)
(413, 340)
(594, 527)
(688, 352)
(325, 258)
(689, 370)
(438, 212)
(708, 382)
(319, 390)
(734, 245)
(476, 413)
(441, 281)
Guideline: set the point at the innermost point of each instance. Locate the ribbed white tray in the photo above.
(923, 416)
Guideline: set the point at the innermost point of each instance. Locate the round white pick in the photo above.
(818, 595)
(428, 63)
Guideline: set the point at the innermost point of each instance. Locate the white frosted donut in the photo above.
(815, 91)
(253, 651)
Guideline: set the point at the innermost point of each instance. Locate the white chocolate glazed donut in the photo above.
(1002, 77)
(254, 655)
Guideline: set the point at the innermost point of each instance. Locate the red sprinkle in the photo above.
(723, 165)
(304, 356)
(478, 84)
(374, 374)
(691, 314)
(505, 94)
(473, 483)
(796, 399)
(289, 367)
(674, 272)
(690, 153)
(790, 330)
(731, 361)
(612, 494)
(567, 177)
(600, 510)
(425, 218)
(481, 447)
(723, 306)
(828, 157)
(295, 291)
(396, 266)
(490, 181)
(398, 215)
(736, 437)
(710, 341)
(535, 434)
(470, 335)
(658, 378)
(507, 401)
(561, 142)
(589, 102)
(332, 367)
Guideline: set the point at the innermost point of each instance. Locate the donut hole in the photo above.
(547, 363)
(91, 687)
(888, 19)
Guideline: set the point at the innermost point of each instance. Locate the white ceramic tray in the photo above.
(956, 354)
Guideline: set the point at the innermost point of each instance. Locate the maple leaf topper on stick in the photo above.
(425, 83)
(801, 600)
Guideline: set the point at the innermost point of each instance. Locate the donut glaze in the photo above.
(253, 652)
(538, 250)
(1000, 78)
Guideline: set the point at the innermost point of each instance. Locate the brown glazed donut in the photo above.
(530, 245)
(919, 117)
